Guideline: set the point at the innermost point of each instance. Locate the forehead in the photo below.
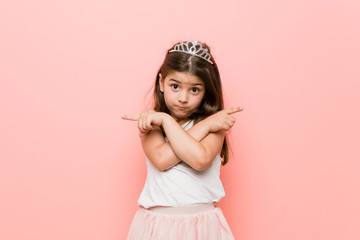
(184, 78)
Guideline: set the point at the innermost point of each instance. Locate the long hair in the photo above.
(212, 101)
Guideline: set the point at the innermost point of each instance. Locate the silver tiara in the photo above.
(193, 48)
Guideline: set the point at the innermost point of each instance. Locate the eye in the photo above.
(174, 86)
(195, 90)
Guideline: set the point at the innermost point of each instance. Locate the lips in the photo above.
(181, 108)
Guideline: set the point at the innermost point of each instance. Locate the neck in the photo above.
(182, 121)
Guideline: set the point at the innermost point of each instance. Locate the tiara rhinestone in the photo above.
(193, 48)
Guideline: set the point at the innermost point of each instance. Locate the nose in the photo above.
(183, 97)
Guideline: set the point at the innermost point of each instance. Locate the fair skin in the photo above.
(198, 147)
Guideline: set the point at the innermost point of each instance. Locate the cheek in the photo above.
(199, 99)
(168, 97)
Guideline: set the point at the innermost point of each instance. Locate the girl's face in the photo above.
(183, 93)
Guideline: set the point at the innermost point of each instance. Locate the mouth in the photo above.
(181, 108)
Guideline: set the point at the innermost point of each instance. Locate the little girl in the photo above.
(185, 144)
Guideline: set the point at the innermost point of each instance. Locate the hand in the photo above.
(222, 120)
(147, 121)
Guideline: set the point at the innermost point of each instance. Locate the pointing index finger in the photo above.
(234, 110)
(131, 117)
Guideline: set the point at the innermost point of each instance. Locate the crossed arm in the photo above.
(197, 147)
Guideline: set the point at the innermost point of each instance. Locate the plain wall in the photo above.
(72, 169)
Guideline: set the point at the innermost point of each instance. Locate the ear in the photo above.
(161, 83)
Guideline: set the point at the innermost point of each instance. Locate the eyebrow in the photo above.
(194, 84)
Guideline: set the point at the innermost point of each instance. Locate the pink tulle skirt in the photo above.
(202, 223)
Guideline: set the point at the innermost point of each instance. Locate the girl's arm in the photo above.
(197, 147)
(198, 154)
(160, 152)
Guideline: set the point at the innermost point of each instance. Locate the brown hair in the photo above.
(212, 101)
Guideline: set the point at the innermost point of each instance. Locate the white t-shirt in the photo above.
(182, 185)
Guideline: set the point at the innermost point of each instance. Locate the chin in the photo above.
(180, 117)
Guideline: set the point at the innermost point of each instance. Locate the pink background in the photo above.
(72, 169)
